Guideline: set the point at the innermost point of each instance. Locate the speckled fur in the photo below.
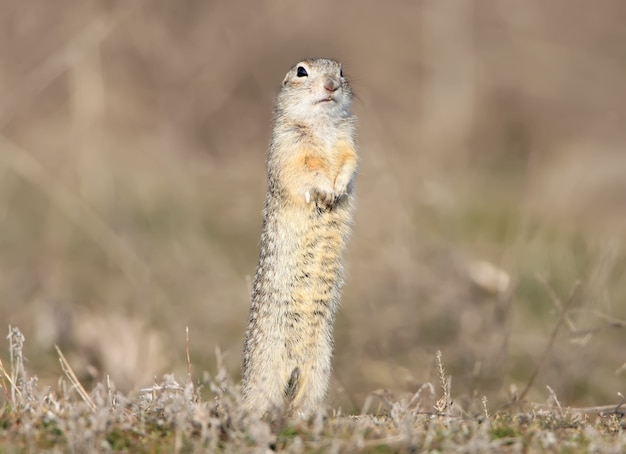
(311, 166)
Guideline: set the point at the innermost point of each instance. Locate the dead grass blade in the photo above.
(601, 410)
(69, 372)
(444, 404)
(6, 375)
(188, 357)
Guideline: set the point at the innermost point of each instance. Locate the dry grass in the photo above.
(132, 138)
(208, 416)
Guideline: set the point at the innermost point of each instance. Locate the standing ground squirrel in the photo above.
(311, 166)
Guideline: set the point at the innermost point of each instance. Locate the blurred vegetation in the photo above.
(132, 178)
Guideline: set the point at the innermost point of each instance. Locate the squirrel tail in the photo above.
(293, 385)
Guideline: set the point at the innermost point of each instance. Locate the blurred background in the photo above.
(491, 195)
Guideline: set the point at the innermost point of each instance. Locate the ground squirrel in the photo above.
(311, 166)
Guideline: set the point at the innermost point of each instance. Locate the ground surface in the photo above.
(170, 417)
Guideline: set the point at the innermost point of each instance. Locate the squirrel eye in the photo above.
(302, 72)
(341, 72)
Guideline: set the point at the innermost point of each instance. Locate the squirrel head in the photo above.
(315, 88)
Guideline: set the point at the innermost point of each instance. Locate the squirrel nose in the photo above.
(331, 84)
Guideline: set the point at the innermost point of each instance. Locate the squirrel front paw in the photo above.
(342, 183)
(320, 195)
(326, 198)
